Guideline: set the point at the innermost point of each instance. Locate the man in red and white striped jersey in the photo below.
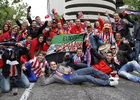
(107, 35)
(33, 67)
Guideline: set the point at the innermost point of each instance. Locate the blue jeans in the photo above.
(93, 41)
(123, 72)
(87, 75)
(137, 50)
(31, 76)
(20, 81)
(80, 65)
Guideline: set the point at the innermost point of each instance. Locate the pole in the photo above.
(48, 6)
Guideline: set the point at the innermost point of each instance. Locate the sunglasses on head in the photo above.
(113, 48)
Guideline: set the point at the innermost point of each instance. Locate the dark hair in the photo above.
(36, 17)
(95, 24)
(51, 61)
(65, 23)
(33, 21)
(3, 28)
(115, 13)
(110, 52)
(118, 32)
(79, 48)
(41, 35)
(28, 36)
(42, 52)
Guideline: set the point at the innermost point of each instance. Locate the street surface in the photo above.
(126, 90)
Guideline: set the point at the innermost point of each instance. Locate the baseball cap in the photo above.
(54, 21)
(48, 38)
(12, 38)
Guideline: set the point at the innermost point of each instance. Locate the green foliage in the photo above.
(133, 5)
(8, 9)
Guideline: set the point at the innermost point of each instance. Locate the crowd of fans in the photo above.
(108, 51)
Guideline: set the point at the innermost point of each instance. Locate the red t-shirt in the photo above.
(45, 47)
(76, 30)
(2, 38)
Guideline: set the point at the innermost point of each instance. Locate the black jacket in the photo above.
(125, 31)
(123, 53)
(135, 23)
(18, 52)
(37, 31)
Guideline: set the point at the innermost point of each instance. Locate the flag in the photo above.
(53, 13)
(80, 15)
(67, 42)
(47, 16)
(130, 12)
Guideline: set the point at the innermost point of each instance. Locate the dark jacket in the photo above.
(125, 31)
(123, 53)
(103, 65)
(18, 52)
(123, 47)
(71, 62)
(135, 23)
(37, 31)
(19, 24)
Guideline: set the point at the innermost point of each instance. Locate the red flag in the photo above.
(47, 16)
(123, 13)
(55, 14)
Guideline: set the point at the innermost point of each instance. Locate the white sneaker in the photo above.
(113, 78)
(113, 83)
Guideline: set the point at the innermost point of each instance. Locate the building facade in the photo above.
(59, 5)
(90, 8)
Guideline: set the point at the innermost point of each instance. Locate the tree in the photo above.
(10, 8)
(133, 5)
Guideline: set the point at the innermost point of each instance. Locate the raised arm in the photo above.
(28, 15)
(42, 27)
(96, 54)
(18, 23)
(106, 13)
(129, 19)
(100, 21)
(23, 50)
(29, 19)
(130, 25)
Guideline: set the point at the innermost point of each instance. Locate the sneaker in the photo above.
(113, 83)
(113, 78)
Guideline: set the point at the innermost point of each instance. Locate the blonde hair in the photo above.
(15, 26)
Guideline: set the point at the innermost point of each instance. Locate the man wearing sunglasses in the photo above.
(119, 57)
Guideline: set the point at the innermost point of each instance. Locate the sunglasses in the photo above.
(113, 48)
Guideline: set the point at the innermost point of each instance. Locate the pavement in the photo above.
(126, 90)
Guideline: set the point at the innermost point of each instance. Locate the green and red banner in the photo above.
(63, 43)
